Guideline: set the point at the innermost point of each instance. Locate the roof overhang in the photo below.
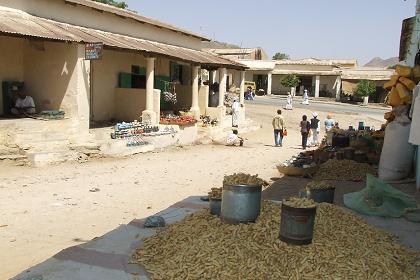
(20, 24)
(132, 15)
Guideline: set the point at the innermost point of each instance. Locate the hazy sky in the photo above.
(360, 29)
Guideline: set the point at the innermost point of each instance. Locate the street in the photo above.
(342, 108)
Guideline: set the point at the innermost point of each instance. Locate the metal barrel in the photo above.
(240, 203)
(297, 225)
(215, 206)
(322, 195)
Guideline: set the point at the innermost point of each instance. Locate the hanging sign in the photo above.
(93, 51)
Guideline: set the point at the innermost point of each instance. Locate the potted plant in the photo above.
(291, 81)
(364, 89)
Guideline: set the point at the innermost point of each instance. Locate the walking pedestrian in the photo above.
(305, 128)
(289, 104)
(235, 112)
(278, 127)
(315, 129)
(305, 97)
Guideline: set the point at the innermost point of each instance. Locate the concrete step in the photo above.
(119, 148)
(39, 159)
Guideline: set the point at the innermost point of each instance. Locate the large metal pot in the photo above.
(240, 203)
(297, 225)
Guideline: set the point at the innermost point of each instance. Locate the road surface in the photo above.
(375, 113)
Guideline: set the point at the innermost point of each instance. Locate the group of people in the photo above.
(289, 100)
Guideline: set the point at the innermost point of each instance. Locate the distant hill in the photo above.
(379, 62)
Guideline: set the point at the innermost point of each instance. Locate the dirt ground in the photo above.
(44, 210)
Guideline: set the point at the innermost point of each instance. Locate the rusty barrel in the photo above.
(322, 195)
(240, 203)
(297, 225)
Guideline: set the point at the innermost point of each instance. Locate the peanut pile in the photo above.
(297, 202)
(243, 179)
(319, 185)
(344, 247)
(215, 193)
(344, 170)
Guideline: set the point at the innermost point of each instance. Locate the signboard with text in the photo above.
(93, 51)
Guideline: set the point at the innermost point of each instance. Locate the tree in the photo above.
(280, 56)
(118, 4)
(364, 89)
(291, 81)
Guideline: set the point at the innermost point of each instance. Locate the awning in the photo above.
(18, 23)
(348, 88)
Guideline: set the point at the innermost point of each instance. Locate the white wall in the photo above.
(87, 17)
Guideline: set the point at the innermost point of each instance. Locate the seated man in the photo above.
(249, 94)
(234, 140)
(24, 104)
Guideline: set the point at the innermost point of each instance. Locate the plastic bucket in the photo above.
(322, 195)
(297, 225)
(215, 206)
(240, 203)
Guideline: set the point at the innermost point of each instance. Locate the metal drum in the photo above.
(297, 225)
(322, 195)
(215, 206)
(240, 203)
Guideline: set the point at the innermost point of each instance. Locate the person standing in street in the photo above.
(329, 125)
(305, 97)
(305, 128)
(289, 104)
(315, 128)
(235, 112)
(278, 126)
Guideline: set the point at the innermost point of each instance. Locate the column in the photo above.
(148, 115)
(212, 77)
(194, 104)
(222, 86)
(242, 88)
(338, 88)
(317, 80)
(269, 83)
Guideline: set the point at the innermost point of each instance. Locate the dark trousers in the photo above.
(304, 139)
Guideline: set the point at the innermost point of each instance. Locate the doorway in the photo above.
(261, 82)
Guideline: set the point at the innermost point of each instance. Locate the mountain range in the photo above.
(379, 62)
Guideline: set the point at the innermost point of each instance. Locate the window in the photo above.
(176, 72)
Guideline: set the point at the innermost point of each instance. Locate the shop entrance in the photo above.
(261, 82)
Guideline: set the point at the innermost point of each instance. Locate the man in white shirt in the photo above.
(235, 112)
(234, 140)
(24, 105)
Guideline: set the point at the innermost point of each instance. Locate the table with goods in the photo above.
(182, 118)
(133, 132)
(248, 238)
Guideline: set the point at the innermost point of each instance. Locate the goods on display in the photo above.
(207, 121)
(319, 185)
(133, 132)
(171, 119)
(344, 170)
(344, 246)
(299, 202)
(215, 193)
(401, 85)
(243, 179)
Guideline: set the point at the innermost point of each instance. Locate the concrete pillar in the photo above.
(317, 81)
(212, 77)
(148, 115)
(242, 88)
(338, 88)
(269, 83)
(222, 86)
(195, 109)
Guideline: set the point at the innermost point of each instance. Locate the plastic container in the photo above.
(240, 203)
(215, 206)
(297, 225)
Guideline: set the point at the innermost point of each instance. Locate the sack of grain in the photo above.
(397, 153)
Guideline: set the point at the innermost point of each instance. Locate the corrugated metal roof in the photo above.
(132, 15)
(367, 73)
(19, 23)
